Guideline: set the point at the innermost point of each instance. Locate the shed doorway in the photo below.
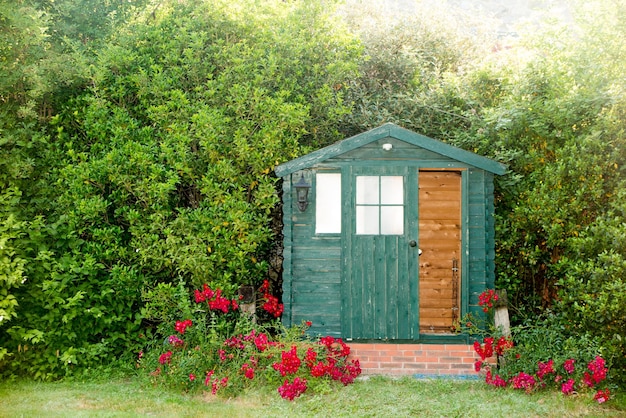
(390, 292)
(440, 242)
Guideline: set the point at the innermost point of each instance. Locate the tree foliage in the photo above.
(163, 168)
(551, 106)
(138, 139)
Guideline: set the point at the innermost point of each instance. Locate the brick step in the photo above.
(415, 359)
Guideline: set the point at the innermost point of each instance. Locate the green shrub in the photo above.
(543, 353)
(220, 350)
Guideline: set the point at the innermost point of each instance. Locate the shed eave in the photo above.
(333, 150)
(389, 130)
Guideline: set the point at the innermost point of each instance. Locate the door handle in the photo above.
(413, 244)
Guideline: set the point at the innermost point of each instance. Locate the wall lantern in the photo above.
(302, 191)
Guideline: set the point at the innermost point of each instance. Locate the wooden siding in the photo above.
(440, 241)
(311, 268)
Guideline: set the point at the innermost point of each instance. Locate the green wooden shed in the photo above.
(388, 236)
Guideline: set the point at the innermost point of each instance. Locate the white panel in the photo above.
(367, 190)
(392, 220)
(328, 203)
(367, 220)
(392, 190)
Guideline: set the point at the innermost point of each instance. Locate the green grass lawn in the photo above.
(374, 397)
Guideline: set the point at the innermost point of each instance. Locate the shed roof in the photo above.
(390, 130)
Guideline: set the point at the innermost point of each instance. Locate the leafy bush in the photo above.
(160, 169)
(543, 353)
(218, 349)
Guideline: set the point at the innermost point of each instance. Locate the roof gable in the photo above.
(385, 131)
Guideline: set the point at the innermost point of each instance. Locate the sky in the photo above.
(509, 15)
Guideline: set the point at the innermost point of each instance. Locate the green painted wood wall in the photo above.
(312, 274)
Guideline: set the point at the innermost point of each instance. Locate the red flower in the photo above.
(215, 300)
(499, 382)
(568, 365)
(247, 371)
(602, 396)
(503, 345)
(486, 299)
(335, 346)
(310, 357)
(290, 362)
(485, 350)
(318, 370)
(192, 377)
(272, 306)
(261, 342)
(181, 326)
(308, 323)
(292, 390)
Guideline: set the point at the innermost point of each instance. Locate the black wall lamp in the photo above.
(302, 191)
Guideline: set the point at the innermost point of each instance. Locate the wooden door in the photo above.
(440, 243)
(380, 257)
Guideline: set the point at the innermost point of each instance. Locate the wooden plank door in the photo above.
(379, 292)
(440, 243)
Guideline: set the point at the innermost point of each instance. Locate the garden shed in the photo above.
(388, 241)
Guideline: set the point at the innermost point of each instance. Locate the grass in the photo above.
(374, 397)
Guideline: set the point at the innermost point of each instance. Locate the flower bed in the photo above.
(196, 356)
(560, 372)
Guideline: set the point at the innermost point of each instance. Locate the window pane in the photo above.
(328, 203)
(392, 190)
(367, 220)
(367, 190)
(392, 220)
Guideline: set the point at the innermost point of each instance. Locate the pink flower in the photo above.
(165, 357)
(523, 381)
(568, 365)
(597, 367)
(568, 387)
(545, 368)
(207, 379)
(175, 341)
(192, 377)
